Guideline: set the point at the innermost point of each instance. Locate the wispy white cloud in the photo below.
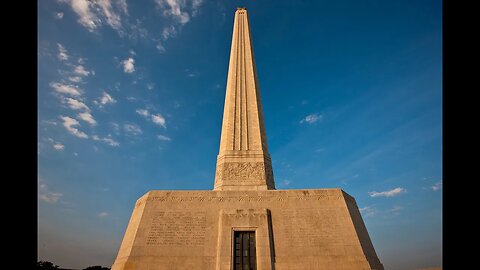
(368, 211)
(106, 140)
(80, 70)
(115, 127)
(122, 4)
(50, 197)
(59, 15)
(160, 47)
(104, 100)
(62, 53)
(75, 104)
(94, 14)
(173, 8)
(84, 10)
(76, 79)
(388, 193)
(437, 186)
(58, 146)
(180, 11)
(311, 118)
(65, 89)
(158, 119)
(49, 122)
(103, 214)
(132, 129)
(128, 65)
(168, 32)
(112, 18)
(286, 182)
(44, 194)
(143, 112)
(163, 138)
(87, 117)
(396, 209)
(196, 6)
(150, 86)
(136, 30)
(70, 124)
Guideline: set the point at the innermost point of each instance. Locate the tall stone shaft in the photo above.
(243, 162)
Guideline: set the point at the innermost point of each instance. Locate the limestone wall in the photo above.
(295, 229)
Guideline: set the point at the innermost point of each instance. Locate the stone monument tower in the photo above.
(244, 223)
(243, 161)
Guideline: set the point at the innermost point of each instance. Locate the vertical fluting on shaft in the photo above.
(243, 161)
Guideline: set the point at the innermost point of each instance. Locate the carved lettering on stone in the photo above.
(177, 229)
(218, 199)
(309, 227)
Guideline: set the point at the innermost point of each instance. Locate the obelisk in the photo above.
(244, 222)
(243, 162)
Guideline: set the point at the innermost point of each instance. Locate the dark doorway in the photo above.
(244, 254)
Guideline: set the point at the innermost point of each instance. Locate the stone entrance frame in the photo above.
(257, 220)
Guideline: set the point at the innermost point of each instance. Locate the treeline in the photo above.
(45, 265)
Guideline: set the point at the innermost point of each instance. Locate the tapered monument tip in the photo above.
(241, 8)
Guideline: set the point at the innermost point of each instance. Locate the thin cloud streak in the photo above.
(389, 193)
(311, 118)
(437, 186)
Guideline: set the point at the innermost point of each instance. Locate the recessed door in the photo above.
(244, 255)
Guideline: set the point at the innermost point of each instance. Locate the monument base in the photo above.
(290, 229)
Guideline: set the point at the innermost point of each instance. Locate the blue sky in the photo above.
(130, 99)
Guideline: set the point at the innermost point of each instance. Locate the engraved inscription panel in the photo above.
(309, 228)
(254, 198)
(177, 229)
